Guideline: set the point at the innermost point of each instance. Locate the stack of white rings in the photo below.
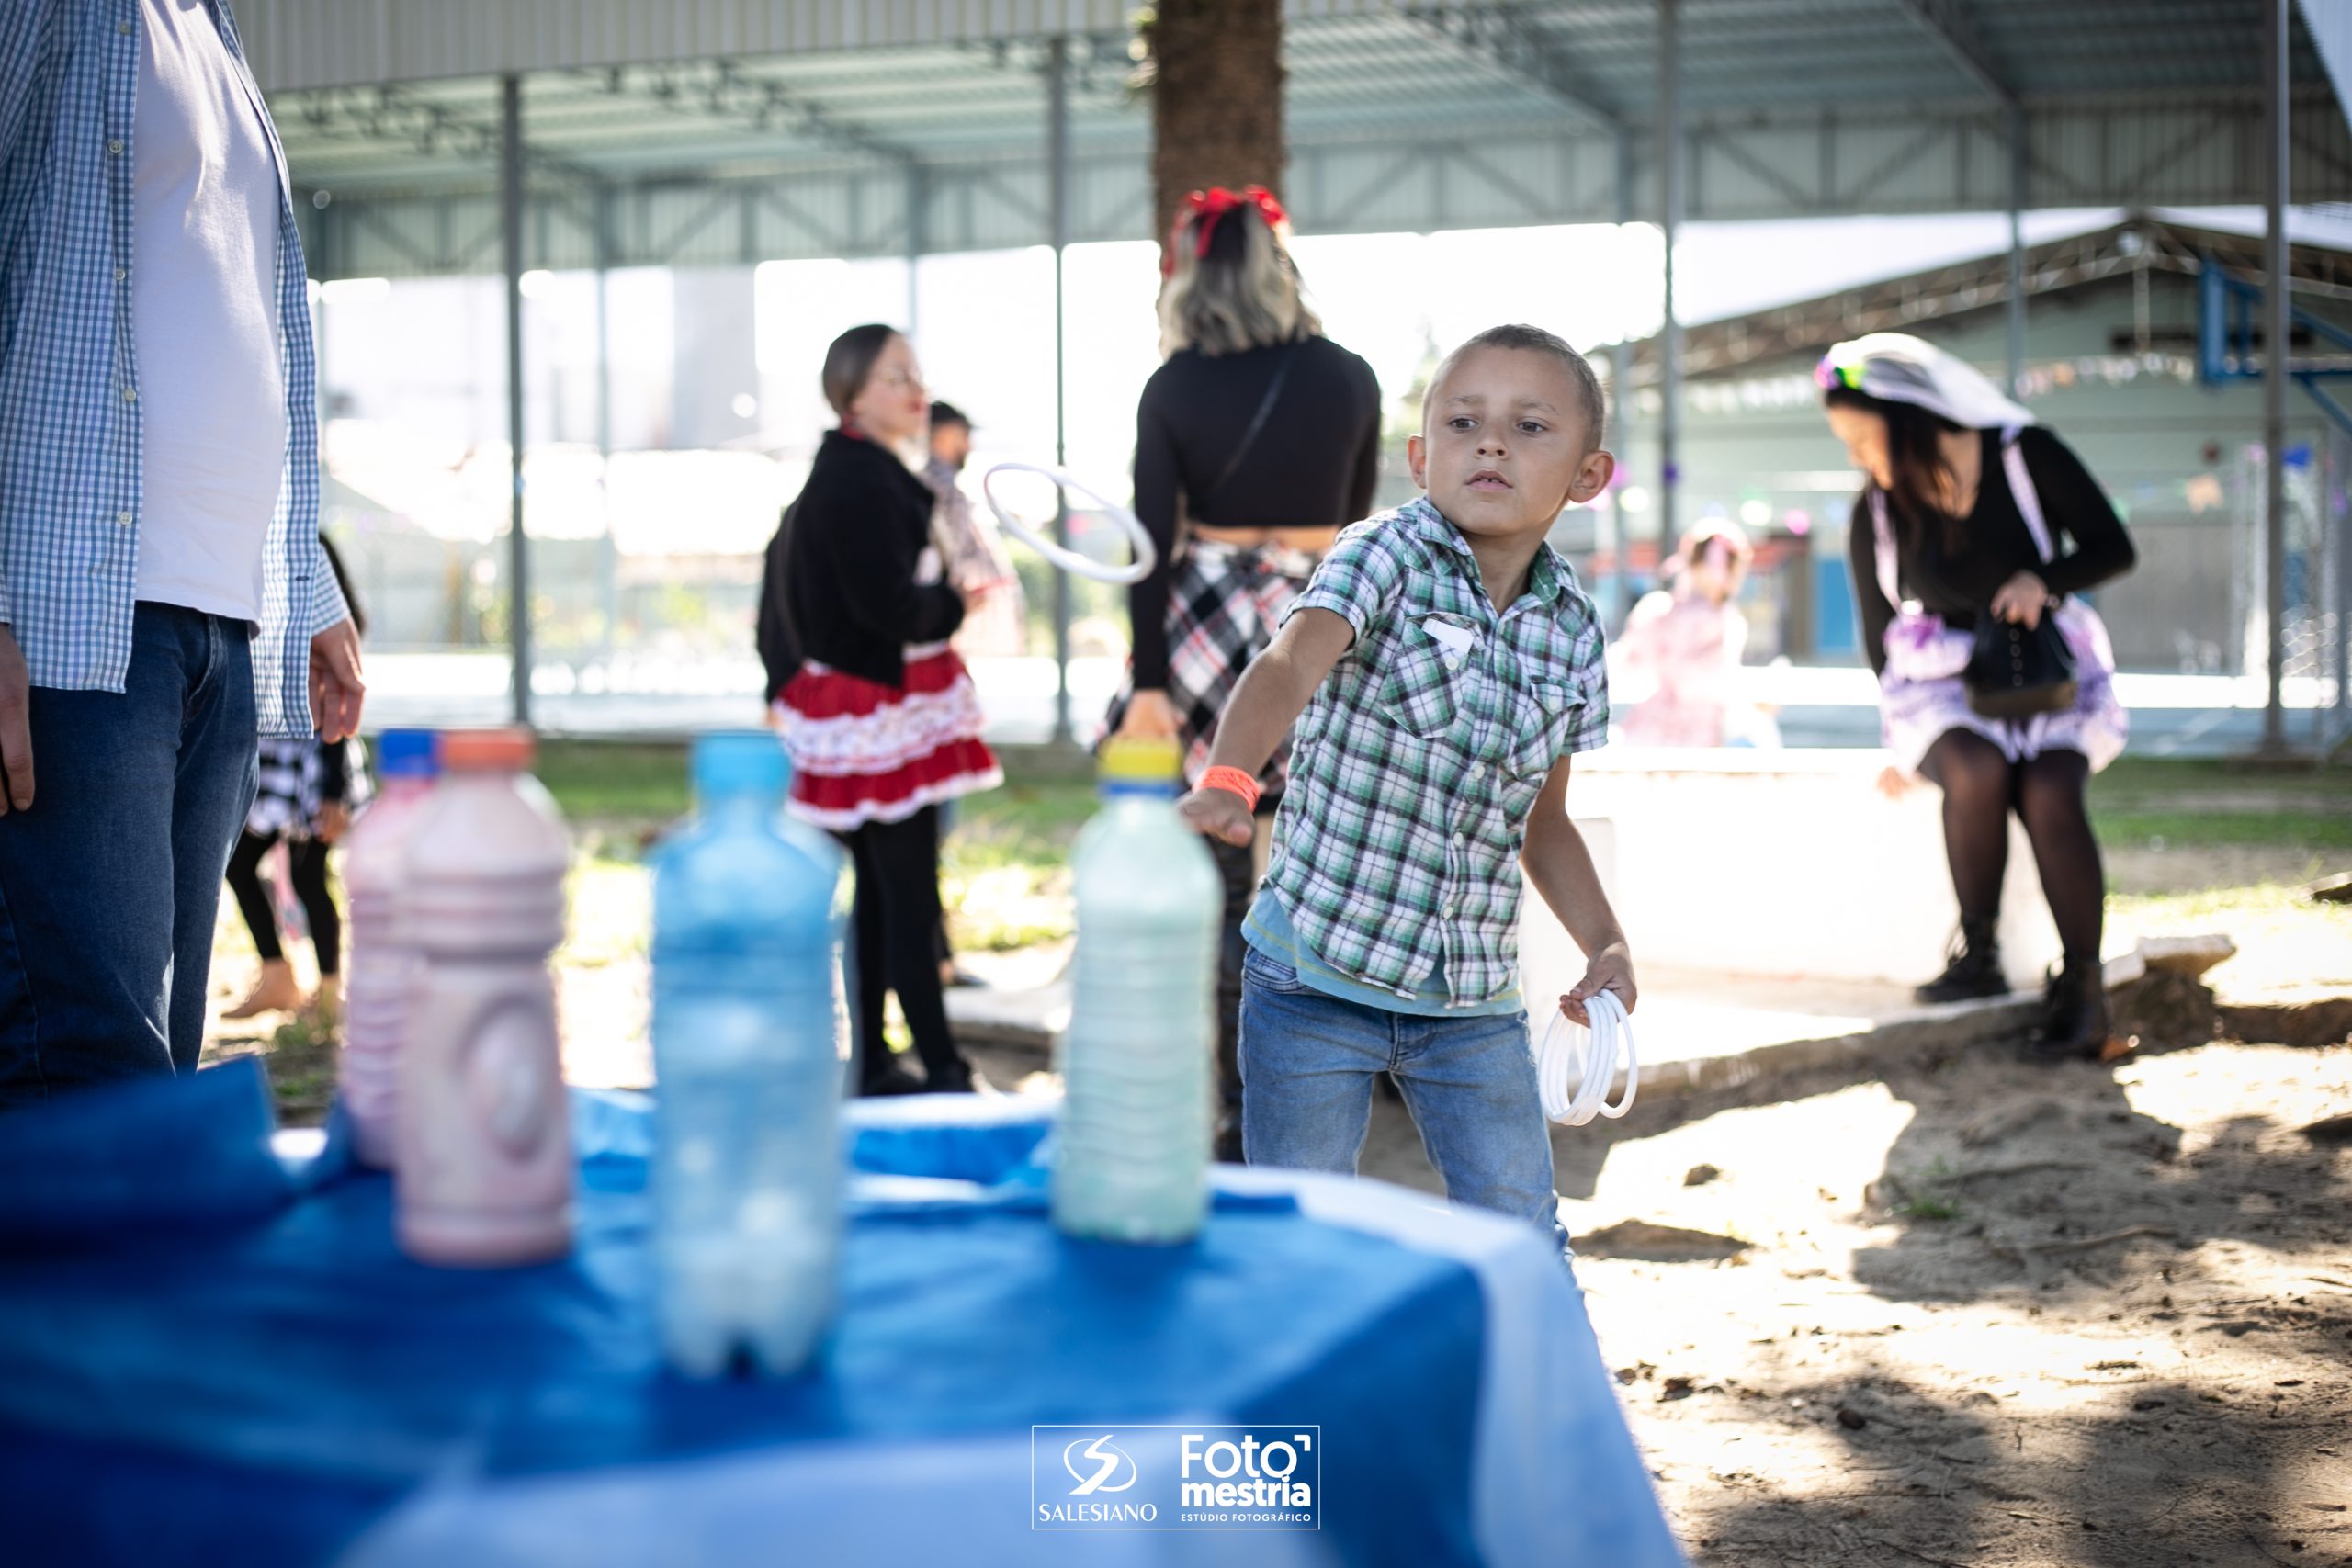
(1588, 1058)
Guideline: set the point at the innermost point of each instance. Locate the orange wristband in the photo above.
(1234, 782)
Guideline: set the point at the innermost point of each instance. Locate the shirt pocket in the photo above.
(1420, 690)
(1542, 713)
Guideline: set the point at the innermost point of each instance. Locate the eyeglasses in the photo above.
(901, 380)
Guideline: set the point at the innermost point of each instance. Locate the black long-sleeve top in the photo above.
(1312, 464)
(1958, 585)
(840, 586)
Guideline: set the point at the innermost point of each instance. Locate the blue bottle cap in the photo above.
(408, 754)
(740, 762)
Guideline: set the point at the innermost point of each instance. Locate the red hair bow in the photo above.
(1212, 204)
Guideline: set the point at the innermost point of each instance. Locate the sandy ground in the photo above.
(1983, 1311)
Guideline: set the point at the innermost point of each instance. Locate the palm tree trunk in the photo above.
(1216, 100)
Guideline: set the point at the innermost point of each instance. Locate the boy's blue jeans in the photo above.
(110, 884)
(1308, 1063)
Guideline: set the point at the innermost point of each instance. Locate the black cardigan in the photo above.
(840, 586)
(1312, 465)
(1958, 585)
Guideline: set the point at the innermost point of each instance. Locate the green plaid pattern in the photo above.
(1415, 765)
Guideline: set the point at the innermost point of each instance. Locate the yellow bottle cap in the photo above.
(1140, 760)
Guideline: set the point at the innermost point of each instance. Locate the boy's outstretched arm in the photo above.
(1272, 693)
(1561, 868)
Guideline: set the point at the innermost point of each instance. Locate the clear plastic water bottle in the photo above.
(747, 1059)
(381, 973)
(484, 1138)
(1136, 1065)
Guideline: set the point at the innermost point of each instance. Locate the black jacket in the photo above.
(840, 585)
(1958, 585)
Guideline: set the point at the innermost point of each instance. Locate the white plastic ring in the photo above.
(1590, 1056)
(1135, 570)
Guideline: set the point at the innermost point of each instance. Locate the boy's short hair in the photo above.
(1519, 335)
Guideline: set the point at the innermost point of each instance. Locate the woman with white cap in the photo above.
(1974, 532)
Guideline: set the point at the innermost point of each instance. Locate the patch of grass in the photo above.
(2222, 801)
(2278, 830)
(1930, 1194)
(2133, 778)
(638, 782)
(1004, 871)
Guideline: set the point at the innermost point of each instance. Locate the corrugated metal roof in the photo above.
(323, 43)
(1417, 116)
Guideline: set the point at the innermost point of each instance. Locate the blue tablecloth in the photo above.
(210, 1351)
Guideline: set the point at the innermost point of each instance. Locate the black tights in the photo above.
(1980, 788)
(307, 860)
(896, 932)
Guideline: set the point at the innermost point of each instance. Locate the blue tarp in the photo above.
(198, 1346)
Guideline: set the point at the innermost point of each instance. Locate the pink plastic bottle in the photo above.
(381, 973)
(484, 1136)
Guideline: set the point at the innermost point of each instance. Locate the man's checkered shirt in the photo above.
(69, 387)
(1414, 766)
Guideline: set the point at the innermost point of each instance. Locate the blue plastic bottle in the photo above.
(747, 1044)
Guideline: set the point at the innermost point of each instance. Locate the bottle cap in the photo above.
(507, 750)
(407, 754)
(1140, 760)
(740, 762)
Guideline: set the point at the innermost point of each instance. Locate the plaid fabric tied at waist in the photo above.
(1225, 604)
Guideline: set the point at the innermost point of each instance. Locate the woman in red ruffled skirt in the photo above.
(876, 710)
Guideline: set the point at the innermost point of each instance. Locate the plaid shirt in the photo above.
(69, 387)
(1418, 760)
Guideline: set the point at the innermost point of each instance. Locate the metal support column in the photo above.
(2275, 349)
(608, 558)
(1621, 385)
(510, 197)
(1058, 167)
(2016, 118)
(918, 239)
(1669, 341)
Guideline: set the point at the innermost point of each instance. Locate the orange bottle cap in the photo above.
(510, 750)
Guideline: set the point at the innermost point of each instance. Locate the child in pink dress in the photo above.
(1689, 639)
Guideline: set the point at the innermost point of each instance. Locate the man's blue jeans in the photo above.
(1308, 1063)
(109, 885)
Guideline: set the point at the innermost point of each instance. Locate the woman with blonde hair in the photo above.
(1256, 441)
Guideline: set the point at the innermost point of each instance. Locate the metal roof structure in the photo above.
(732, 132)
(471, 136)
(1925, 301)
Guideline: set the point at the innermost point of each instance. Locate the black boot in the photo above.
(1973, 967)
(2074, 1023)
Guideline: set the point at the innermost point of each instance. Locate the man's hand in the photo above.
(1610, 969)
(337, 689)
(1219, 813)
(1149, 717)
(334, 820)
(15, 725)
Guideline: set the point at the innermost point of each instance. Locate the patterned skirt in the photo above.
(292, 786)
(1922, 696)
(1225, 604)
(865, 752)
